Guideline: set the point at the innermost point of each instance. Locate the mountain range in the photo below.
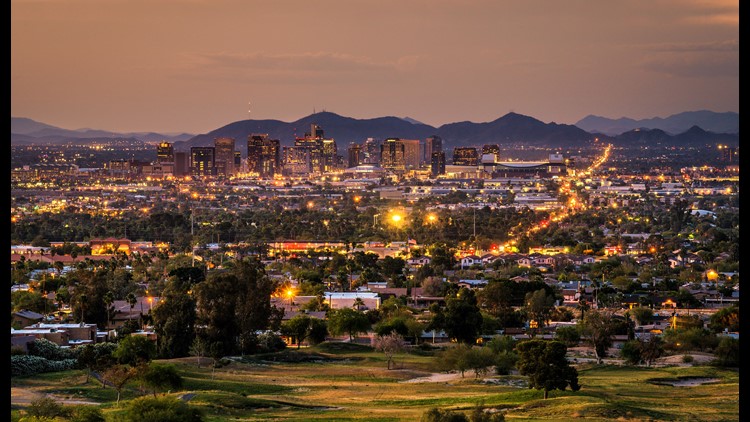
(728, 122)
(510, 129)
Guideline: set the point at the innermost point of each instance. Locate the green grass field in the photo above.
(345, 383)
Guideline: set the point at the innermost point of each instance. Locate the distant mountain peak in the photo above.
(677, 123)
(412, 121)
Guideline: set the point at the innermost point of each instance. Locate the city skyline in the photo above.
(195, 66)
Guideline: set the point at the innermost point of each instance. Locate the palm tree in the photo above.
(358, 304)
(132, 300)
(109, 298)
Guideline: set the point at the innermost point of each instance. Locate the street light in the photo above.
(290, 295)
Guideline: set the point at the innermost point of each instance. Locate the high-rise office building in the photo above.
(271, 158)
(165, 152)
(465, 156)
(411, 153)
(370, 152)
(237, 161)
(296, 161)
(224, 156)
(490, 149)
(263, 155)
(323, 152)
(181, 164)
(255, 152)
(437, 163)
(392, 154)
(202, 161)
(431, 144)
(353, 154)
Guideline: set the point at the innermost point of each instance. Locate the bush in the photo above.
(50, 351)
(687, 358)
(270, 342)
(162, 409)
(727, 353)
(46, 407)
(87, 414)
(631, 352)
(22, 365)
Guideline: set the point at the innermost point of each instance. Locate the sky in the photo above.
(193, 66)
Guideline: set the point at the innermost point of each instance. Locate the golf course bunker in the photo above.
(683, 381)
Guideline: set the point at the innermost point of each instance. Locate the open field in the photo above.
(343, 383)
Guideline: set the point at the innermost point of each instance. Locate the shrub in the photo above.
(163, 409)
(727, 352)
(22, 365)
(87, 414)
(46, 407)
(687, 358)
(49, 350)
(269, 342)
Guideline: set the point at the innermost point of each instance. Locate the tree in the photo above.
(174, 320)
(642, 315)
(96, 357)
(727, 352)
(161, 377)
(461, 319)
(725, 319)
(118, 376)
(538, 306)
(651, 349)
(134, 350)
(597, 329)
(545, 364)
(347, 321)
(389, 344)
(298, 327)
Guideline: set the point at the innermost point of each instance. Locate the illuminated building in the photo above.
(296, 161)
(370, 152)
(353, 153)
(165, 152)
(392, 154)
(322, 152)
(224, 156)
(263, 155)
(411, 153)
(437, 163)
(465, 156)
(202, 161)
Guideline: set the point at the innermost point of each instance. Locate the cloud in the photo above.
(695, 64)
(717, 46)
(308, 62)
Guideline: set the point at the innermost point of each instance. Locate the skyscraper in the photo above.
(431, 144)
(224, 156)
(370, 152)
(202, 161)
(165, 152)
(392, 154)
(353, 153)
(411, 153)
(323, 152)
(263, 155)
(255, 152)
(465, 156)
(437, 163)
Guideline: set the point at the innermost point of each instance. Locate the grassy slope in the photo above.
(357, 386)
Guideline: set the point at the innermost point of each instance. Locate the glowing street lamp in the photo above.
(290, 295)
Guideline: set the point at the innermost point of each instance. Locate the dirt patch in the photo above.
(437, 377)
(24, 396)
